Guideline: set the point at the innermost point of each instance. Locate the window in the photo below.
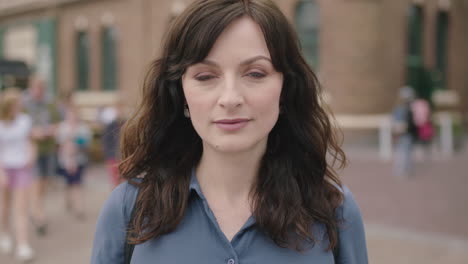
(82, 59)
(46, 49)
(415, 35)
(2, 33)
(307, 24)
(109, 60)
(441, 49)
(417, 75)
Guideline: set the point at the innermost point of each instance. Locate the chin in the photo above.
(235, 145)
(230, 148)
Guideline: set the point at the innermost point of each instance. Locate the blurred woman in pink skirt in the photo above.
(17, 156)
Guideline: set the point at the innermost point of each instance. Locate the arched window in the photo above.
(307, 23)
(109, 58)
(441, 49)
(82, 60)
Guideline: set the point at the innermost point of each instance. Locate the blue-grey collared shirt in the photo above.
(199, 240)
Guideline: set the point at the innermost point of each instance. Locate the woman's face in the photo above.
(234, 94)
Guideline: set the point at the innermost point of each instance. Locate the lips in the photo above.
(232, 124)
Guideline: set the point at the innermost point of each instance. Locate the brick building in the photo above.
(361, 49)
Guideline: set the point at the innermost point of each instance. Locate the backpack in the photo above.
(425, 131)
(128, 248)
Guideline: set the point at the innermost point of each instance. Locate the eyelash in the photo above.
(255, 75)
(204, 78)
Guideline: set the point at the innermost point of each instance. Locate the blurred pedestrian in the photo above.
(227, 156)
(73, 137)
(406, 132)
(17, 158)
(45, 117)
(422, 116)
(112, 119)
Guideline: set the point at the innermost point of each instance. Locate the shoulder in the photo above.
(352, 240)
(25, 119)
(111, 228)
(117, 209)
(349, 209)
(121, 200)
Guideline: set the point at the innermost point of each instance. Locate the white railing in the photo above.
(383, 123)
(90, 102)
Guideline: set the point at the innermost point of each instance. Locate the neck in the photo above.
(229, 176)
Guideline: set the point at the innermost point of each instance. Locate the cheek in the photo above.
(194, 100)
(199, 108)
(268, 106)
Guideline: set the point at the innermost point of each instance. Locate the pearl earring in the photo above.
(186, 111)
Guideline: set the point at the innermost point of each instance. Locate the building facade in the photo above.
(362, 50)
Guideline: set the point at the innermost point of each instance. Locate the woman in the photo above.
(17, 156)
(226, 159)
(73, 137)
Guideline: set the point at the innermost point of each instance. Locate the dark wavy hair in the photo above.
(296, 184)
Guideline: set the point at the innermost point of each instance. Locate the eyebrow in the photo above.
(245, 62)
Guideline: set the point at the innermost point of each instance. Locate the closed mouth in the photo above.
(231, 121)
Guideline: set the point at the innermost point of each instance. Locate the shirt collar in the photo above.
(195, 186)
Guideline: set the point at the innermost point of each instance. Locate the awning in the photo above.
(15, 68)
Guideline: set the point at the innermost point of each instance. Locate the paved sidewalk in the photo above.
(420, 219)
(433, 200)
(401, 246)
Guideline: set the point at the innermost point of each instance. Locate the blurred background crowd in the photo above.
(394, 73)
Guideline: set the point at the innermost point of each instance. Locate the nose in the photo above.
(231, 94)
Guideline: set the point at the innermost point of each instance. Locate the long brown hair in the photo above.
(296, 185)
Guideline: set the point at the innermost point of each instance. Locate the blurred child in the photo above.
(73, 137)
(17, 158)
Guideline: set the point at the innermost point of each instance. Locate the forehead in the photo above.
(241, 39)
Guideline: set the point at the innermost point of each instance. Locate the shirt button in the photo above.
(231, 261)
